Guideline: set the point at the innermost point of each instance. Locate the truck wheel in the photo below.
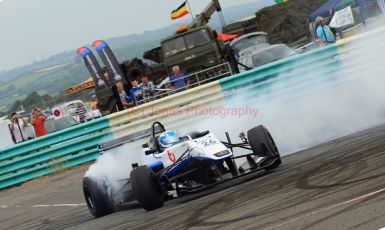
(98, 196)
(263, 145)
(146, 188)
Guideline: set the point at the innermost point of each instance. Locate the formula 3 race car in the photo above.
(195, 162)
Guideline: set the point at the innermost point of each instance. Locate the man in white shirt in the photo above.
(19, 128)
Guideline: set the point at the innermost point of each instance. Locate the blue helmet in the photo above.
(168, 139)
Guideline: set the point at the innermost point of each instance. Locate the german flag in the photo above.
(180, 11)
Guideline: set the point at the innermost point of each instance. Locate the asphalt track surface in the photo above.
(336, 185)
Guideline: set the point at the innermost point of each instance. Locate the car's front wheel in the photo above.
(147, 188)
(98, 196)
(263, 145)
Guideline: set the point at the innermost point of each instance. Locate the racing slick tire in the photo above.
(146, 188)
(263, 145)
(98, 196)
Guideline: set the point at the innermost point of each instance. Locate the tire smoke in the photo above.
(310, 107)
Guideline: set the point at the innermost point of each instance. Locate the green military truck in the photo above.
(196, 49)
(193, 50)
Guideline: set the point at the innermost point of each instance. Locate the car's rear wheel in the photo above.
(263, 145)
(147, 188)
(98, 196)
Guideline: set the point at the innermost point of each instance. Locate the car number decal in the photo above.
(208, 142)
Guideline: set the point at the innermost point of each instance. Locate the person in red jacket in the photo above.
(37, 120)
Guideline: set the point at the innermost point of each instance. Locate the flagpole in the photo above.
(189, 7)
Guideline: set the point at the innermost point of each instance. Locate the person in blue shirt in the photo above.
(323, 32)
(135, 93)
(147, 88)
(178, 81)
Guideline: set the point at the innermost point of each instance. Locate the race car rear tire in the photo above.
(263, 145)
(98, 196)
(146, 188)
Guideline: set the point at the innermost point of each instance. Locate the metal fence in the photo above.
(195, 79)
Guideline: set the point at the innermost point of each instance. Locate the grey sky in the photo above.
(33, 29)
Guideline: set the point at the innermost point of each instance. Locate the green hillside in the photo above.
(50, 81)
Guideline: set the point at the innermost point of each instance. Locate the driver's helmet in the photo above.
(168, 139)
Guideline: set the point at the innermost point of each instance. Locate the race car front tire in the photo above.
(263, 144)
(98, 196)
(146, 187)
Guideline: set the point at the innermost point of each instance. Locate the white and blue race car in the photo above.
(194, 162)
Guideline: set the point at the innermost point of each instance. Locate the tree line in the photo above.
(34, 100)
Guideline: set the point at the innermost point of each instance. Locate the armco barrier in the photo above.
(301, 75)
(53, 152)
(52, 139)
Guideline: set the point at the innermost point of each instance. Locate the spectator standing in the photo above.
(94, 103)
(147, 88)
(37, 120)
(323, 32)
(135, 93)
(122, 94)
(19, 128)
(81, 113)
(178, 81)
(95, 112)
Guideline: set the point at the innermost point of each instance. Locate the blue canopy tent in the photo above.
(323, 11)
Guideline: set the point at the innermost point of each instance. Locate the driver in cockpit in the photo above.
(168, 139)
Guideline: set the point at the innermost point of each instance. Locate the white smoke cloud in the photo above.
(322, 106)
